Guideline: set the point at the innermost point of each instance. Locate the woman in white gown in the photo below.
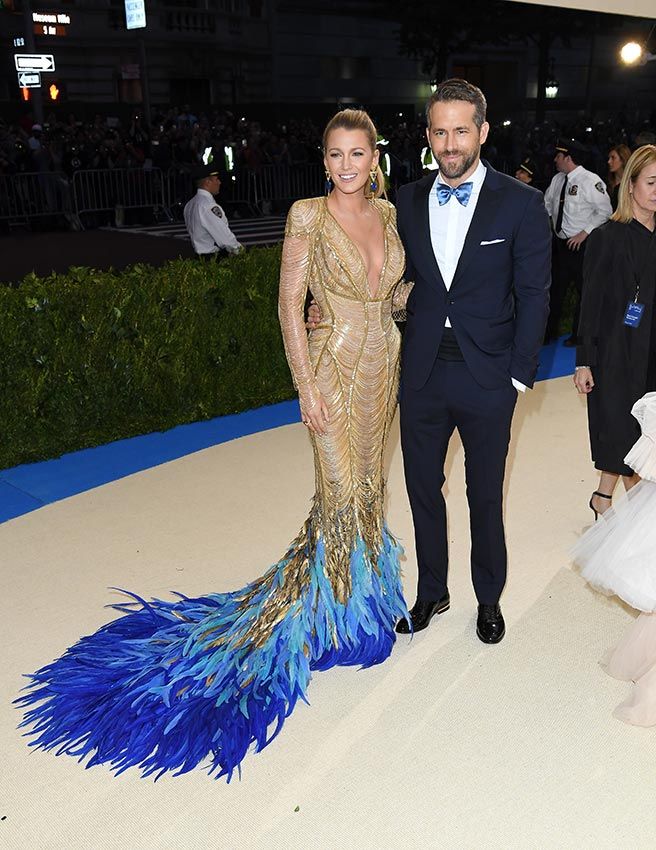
(618, 557)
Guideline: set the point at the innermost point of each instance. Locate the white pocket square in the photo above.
(492, 241)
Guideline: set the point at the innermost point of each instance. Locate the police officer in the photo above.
(577, 202)
(526, 171)
(205, 220)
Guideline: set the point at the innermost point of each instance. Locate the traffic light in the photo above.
(55, 90)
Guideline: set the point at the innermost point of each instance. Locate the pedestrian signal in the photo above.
(54, 92)
(26, 94)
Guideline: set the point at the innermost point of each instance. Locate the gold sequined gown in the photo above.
(171, 685)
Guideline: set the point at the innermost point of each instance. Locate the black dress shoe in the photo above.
(490, 626)
(421, 614)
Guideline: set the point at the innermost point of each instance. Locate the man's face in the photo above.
(213, 184)
(455, 139)
(523, 176)
(563, 162)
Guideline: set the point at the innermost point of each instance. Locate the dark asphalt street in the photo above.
(43, 253)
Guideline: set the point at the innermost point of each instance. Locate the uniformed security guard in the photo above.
(205, 220)
(577, 202)
(526, 171)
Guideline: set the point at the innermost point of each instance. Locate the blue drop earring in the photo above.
(329, 183)
(374, 183)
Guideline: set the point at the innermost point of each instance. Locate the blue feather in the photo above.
(171, 685)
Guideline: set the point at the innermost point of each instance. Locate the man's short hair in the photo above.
(456, 89)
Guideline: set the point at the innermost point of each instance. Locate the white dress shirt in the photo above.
(449, 225)
(586, 206)
(208, 226)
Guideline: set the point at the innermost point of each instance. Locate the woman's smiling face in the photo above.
(349, 159)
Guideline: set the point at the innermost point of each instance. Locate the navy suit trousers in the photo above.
(452, 399)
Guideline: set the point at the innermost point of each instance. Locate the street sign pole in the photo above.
(135, 18)
(145, 88)
(37, 98)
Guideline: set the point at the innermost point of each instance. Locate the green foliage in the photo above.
(90, 356)
(567, 312)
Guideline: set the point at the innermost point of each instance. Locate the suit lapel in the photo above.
(422, 218)
(486, 207)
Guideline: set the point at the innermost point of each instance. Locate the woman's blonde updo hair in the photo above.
(639, 159)
(357, 119)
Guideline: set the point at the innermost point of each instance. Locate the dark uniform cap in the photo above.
(571, 146)
(528, 166)
(200, 172)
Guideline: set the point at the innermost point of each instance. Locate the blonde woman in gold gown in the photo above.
(171, 685)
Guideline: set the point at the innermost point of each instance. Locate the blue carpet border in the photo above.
(27, 487)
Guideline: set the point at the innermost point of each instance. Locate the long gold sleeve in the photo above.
(297, 256)
(403, 288)
(400, 296)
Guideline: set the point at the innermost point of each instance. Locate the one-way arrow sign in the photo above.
(44, 62)
(29, 79)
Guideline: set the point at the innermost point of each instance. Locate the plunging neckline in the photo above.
(372, 295)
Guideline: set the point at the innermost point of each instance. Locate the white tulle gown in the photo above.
(617, 556)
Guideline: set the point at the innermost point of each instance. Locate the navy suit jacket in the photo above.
(498, 302)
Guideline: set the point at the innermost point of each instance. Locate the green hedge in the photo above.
(89, 356)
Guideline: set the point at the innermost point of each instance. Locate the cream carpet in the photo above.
(449, 744)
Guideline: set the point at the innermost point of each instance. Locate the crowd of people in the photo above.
(177, 138)
(173, 138)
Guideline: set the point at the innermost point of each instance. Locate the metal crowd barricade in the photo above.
(283, 183)
(179, 187)
(24, 196)
(239, 189)
(99, 190)
(32, 194)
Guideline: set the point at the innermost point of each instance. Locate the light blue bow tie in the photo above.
(462, 193)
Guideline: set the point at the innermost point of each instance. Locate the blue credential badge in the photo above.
(633, 315)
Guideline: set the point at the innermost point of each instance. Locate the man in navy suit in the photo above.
(478, 248)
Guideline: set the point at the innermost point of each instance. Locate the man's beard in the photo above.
(453, 170)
